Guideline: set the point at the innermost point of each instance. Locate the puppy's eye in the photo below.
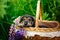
(23, 19)
(30, 19)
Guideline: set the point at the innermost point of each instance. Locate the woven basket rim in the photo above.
(43, 29)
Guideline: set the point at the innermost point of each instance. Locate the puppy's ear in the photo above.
(21, 18)
(17, 20)
(33, 18)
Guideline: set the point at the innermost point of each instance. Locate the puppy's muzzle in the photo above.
(26, 23)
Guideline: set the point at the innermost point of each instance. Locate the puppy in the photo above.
(27, 21)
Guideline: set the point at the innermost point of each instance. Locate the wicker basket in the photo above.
(37, 29)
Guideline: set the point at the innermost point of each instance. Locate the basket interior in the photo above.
(47, 24)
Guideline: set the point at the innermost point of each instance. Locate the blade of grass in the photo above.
(3, 30)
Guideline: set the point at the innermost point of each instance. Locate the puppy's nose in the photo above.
(25, 23)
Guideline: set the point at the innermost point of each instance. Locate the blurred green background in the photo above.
(11, 9)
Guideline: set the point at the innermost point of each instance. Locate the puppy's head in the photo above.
(27, 20)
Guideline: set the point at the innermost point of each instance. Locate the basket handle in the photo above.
(40, 13)
(37, 13)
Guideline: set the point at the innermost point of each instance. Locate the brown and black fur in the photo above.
(27, 21)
